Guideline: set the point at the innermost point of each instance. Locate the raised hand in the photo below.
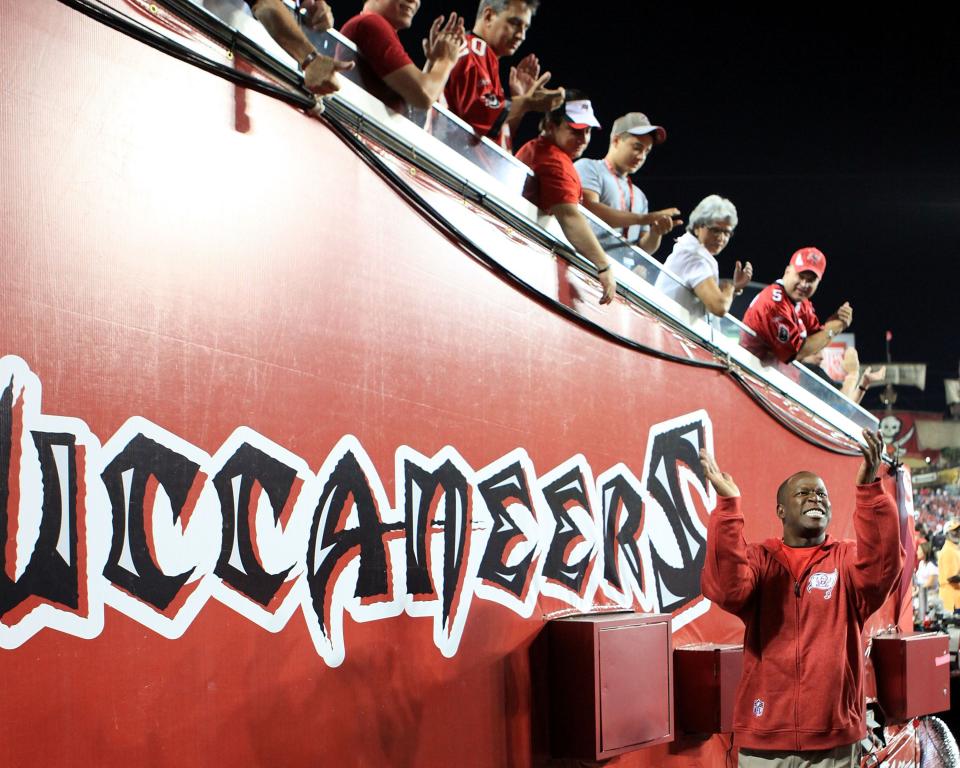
(721, 481)
(851, 360)
(872, 450)
(871, 376)
(742, 275)
(524, 75)
(446, 40)
(540, 99)
(845, 314)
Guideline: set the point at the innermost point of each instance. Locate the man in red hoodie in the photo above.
(804, 600)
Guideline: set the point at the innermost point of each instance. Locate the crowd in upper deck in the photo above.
(462, 71)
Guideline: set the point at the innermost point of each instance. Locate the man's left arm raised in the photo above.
(876, 568)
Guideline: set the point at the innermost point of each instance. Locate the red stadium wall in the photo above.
(232, 356)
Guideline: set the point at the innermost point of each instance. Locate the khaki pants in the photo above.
(840, 757)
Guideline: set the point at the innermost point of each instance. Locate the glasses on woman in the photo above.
(715, 230)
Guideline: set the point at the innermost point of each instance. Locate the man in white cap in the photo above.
(610, 195)
(555, 187)
(783, 316)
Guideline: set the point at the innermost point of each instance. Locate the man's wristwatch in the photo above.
(308, 59)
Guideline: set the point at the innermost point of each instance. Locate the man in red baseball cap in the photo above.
(555, 187)
(783, 316)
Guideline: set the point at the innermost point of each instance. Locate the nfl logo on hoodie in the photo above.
(824, 581)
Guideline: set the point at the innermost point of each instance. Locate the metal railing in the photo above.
(446, 147)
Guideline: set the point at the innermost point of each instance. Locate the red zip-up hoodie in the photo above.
(802, 684)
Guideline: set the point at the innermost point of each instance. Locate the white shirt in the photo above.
(693, 264)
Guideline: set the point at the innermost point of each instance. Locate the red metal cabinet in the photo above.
(611, 687)
(913, 674)
(706, 676)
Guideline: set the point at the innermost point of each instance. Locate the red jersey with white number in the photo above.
(781, 325)
(474, 92)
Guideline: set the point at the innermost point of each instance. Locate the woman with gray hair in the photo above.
(693, 260)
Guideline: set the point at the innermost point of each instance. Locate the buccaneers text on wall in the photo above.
(153, 526)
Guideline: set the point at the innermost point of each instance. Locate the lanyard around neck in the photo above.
(623, 199)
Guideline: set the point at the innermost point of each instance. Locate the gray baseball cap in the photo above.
(638, 124)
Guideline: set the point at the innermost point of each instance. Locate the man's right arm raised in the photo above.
(421, 89)
(729, 576)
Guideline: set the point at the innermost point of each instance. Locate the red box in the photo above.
(706, 676)
(611, 684)
(913, 674)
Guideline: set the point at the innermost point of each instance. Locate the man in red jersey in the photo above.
(555, 186)
(804, 599)
(783, 316)
(474, 91)
(319, 71)
(374, 31)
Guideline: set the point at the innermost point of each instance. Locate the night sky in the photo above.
(838, 132)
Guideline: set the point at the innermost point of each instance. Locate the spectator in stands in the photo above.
(939, 538)
(555, 186)
(949, 567)
(855, 384)
(694, 260)
(783, 316)
(474, 91)
(374, 31)
(319, 71)
(926, 578)
(610, 195)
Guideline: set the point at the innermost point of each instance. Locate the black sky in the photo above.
(835, 126)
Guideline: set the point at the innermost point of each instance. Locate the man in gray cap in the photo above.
(610, 195)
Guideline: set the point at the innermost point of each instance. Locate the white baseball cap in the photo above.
(580, 114)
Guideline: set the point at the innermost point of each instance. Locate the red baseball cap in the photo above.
(809, 260)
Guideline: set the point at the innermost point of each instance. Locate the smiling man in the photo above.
(555, 186)
(783, 316)
(804, 599)
(474, 91)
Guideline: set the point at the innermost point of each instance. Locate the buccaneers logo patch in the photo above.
(824, 581)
